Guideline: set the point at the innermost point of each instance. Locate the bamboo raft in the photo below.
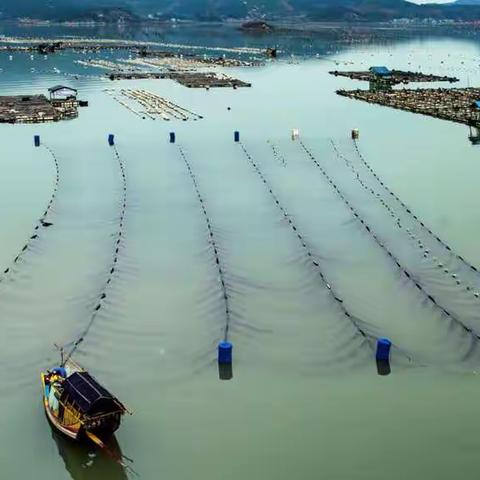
(154, 106)
(453, 104)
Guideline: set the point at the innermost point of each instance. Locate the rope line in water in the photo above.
(335, 296)
(41, 223)
(411, 235)
(405, 272)
(213, 243)
(409, 211)
(118, 244)
(277, 155)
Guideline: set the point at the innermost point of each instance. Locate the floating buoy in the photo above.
(172, 137)
(111, 139)
(383, 349)
(225, 350)
(236, 136)
(36, 140)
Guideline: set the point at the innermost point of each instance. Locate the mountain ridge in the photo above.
(326, 10)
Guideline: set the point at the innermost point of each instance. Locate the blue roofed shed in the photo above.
(476, 104)
(381, 71)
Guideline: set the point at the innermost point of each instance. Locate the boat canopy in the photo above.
(88, 396)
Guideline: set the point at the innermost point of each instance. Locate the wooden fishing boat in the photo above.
(78, 406)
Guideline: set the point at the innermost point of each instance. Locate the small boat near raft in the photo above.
(78, 406)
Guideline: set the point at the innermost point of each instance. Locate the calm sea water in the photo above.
(305, 400)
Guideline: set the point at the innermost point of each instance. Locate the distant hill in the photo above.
(326, 10)
(467, 2)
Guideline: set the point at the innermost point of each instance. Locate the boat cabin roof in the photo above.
(89, 397)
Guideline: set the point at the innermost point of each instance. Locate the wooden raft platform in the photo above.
(453, 104)
(395, 77)
(35, 109)
(188, 79)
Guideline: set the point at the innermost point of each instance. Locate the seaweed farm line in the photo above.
(44, 222)
(13, 44)
(118, 246)
(359, 326)
(454, 104)
(415, 282)
(164, 62)
(155, 106)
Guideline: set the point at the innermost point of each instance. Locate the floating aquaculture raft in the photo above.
(393, 77)
(36, 109)
(455, 104)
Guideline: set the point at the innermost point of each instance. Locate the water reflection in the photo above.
(383, 367)
(84, 461)
(225, 371)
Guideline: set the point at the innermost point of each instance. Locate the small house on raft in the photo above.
(381, 72)
(61, 92)
(66, 97)
(382, 78)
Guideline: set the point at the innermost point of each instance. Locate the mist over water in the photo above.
(305, 400)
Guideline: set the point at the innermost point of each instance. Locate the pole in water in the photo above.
(236, 136)
(36, 140)
(225, 350)
(111, 139)
(172, 137)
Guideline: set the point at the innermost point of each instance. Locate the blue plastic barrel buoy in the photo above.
(383, 349)
(172, 137)
(111, 139)
(225, 353)
(36, 140)
(236, 136)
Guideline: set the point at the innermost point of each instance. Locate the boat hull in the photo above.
(73, 434)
